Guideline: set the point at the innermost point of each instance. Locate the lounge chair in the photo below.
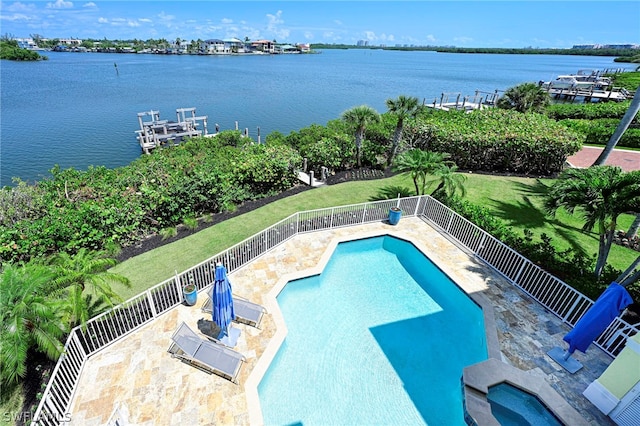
(205, 355)
(246, 312)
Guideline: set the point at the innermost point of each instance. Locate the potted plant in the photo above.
(394, 215)
(190, 293)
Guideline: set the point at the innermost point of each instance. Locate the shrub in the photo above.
(497, 140)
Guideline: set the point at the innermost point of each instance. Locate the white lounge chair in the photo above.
(246, 312)
(205, 355)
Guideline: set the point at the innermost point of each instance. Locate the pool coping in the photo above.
(270, 301)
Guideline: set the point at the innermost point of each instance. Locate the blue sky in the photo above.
(442, 23)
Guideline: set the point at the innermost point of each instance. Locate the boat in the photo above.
(581, 81)
(156, 133)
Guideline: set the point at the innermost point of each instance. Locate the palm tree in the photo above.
(527, 97)
(360, 117)
(403, 107)
(419, 164)
(85, 269)
(628, 117)
(449, 180)
(601, 194)
(29, 319)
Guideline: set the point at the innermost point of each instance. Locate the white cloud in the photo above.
(337, 22)
(273, 25)
(102, 20)
(370, 35)
(431, 38)
(308, 35)
(145, 20)
(463, 39)
(90, 4)
(133, 23)
(226, 21)
(60, 4)
(19, 7)
(16, 17)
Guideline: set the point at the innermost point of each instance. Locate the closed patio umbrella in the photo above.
(222, 303)
(605, 309)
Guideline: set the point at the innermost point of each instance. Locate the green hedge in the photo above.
(496, 140)
(598, 132)
(100, 207)
(590, 111)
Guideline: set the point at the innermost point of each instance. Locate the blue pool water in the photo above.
(514, 407)
(380, 337)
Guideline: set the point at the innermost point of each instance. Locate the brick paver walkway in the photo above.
(626, 159)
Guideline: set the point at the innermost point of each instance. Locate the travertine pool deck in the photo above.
(138, 375)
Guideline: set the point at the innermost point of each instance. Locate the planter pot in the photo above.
(190, 293)
(394, 215)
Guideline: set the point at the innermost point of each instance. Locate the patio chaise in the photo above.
(205, 355)
(246, 312)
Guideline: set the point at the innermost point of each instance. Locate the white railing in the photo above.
(111, 326)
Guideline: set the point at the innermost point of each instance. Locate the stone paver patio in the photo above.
(138, 375)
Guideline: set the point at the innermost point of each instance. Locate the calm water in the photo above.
(75, 111)
(380, 337)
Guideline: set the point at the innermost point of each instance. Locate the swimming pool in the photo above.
(380, 337)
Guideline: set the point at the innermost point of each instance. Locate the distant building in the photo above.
(26, 43)
(606, 46)
(70, 41)
(363, 43)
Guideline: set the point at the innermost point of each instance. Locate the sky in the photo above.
(479, 23)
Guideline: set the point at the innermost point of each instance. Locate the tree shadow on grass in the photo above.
(523, 213)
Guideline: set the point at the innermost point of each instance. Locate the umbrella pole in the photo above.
(567, 355)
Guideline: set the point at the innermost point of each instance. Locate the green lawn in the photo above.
(516, 200)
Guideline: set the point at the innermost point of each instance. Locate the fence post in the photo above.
(517, 277)
(415, 212)
(364, 212)
(154, 313)
(450, 221)
(331, 221)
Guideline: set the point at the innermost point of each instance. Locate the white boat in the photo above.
(579, 81)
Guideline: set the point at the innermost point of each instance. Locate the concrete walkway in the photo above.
(626, 159)
(138, 376)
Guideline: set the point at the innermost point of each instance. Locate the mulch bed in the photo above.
(155, 241)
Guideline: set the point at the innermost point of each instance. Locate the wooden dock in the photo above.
(455, 101)
(617, 94)
(156, 133)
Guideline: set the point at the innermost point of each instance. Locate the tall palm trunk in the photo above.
(633, 229)
(622, 127)
(397, 135)
(359, 137)
(628, 276)
(604, 246)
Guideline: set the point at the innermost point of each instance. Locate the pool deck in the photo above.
(137, 375)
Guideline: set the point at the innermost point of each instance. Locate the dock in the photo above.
(455, 101)
(156, 133)
(617, 94)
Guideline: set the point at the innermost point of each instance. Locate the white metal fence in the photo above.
(105, 329)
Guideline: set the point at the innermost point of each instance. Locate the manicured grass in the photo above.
(516, 200)
(519, 202)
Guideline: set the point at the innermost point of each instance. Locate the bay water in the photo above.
(80, 109)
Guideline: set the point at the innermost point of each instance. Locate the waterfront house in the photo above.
(287, 48)
(212, 46)
(264, 46)
(233, 45)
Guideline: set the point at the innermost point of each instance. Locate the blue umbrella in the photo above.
(608, 306)
(223, 312)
